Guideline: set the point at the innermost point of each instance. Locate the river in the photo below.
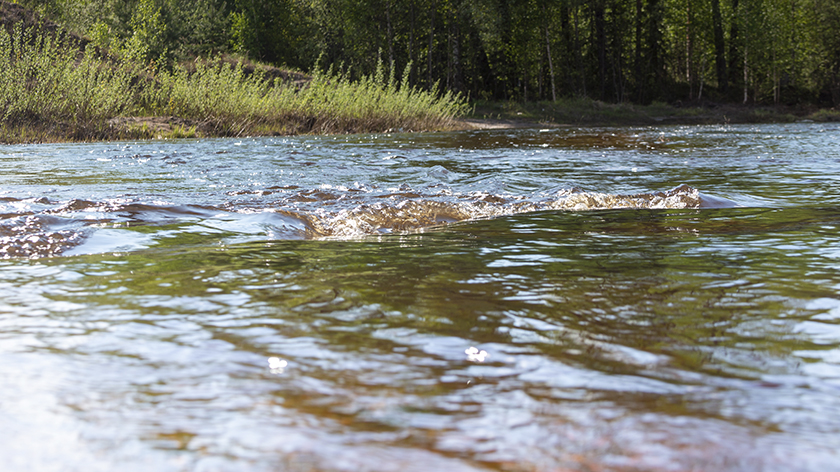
(581, 299)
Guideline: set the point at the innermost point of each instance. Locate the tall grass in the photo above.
(42, 80)
(233, 102)
(71, 94)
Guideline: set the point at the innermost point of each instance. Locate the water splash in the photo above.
(41, 228)
(414, 211)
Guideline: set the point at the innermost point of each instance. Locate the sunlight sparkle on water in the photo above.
(474, 355)
(277, 365)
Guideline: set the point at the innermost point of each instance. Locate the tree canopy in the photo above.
(751, 51)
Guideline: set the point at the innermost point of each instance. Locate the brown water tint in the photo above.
(515, 301)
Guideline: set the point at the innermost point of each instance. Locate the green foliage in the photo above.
(42, 79)
(764, 51)
(147, 40)
(46, 82)
(826, 116)
(232, 102)
(242, 35)
(100, 35)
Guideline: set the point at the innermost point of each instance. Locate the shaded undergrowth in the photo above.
(588, 112)
(51, 90)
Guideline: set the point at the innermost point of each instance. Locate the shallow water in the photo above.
(567, 299)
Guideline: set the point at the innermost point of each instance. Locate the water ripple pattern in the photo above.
(611, 299)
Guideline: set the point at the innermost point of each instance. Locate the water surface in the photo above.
(567, 299)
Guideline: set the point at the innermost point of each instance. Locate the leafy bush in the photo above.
(44, 81)
(233, 102)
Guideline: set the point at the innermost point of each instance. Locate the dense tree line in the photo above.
(752, 51)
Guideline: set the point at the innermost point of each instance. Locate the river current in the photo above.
(592, 299)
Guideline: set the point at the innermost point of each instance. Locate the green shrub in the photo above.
(233, 102)
(44, 82)
(42, 79)
(826, 115)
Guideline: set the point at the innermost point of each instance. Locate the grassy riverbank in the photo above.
(54, 88)
(586, 112)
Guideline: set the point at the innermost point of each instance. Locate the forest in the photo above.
(616, 51)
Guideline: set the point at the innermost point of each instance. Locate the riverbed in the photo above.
(610, 299)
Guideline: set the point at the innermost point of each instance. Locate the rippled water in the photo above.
(531, 300)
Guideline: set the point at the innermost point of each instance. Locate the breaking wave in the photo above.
(34, 228)
(414, 211)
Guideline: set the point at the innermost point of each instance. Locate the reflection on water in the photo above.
(200, 316)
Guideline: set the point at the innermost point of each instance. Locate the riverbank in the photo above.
(56, 86)
(486, 116)
(49, 94)
(585, 112)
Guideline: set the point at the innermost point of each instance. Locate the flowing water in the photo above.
(533, 300)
